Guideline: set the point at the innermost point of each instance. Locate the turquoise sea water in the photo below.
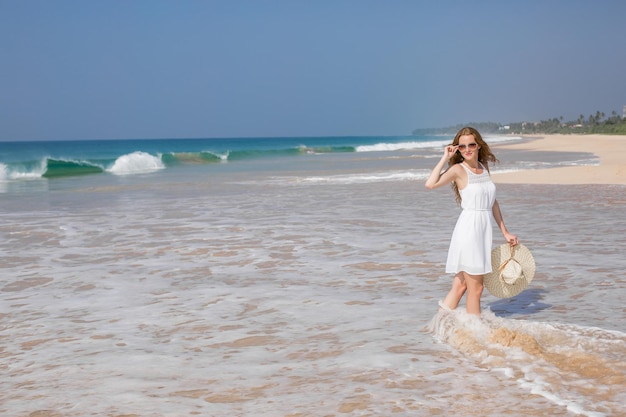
(37, 166)
(74, 158)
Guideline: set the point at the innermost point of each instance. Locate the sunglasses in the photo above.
(469, 146)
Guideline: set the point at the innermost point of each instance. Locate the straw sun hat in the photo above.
(513, 269)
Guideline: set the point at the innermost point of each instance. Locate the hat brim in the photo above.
(494, 282)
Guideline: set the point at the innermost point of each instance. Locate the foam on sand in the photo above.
(543, 358)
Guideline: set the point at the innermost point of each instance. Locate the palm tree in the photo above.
(599, 116)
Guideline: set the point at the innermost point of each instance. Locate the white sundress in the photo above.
(472, 238)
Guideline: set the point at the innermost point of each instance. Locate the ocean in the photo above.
(294, 277)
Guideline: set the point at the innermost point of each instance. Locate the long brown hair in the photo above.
(484, 154)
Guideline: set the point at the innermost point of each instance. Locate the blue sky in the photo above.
(166, 69)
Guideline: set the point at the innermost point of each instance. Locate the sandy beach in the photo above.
(609, 149)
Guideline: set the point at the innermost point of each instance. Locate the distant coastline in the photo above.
(598, 123)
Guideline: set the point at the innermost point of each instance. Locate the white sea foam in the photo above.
(22, 173)
(501, 139)
(18, 175)
(593, 161)
(4, 172)
(382, 147)
(135, 163)
(557, 362)
(436, 144)
(369, 177)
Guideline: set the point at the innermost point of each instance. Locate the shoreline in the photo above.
(608, 148)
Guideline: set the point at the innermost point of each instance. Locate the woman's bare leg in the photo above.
(456, 292)
(474, 285)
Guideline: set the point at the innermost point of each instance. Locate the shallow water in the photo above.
(301, 291)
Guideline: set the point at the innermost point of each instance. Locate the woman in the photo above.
(469, 255)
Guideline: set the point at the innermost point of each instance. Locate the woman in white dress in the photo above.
(469, 256)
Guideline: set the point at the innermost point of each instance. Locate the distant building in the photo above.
(624, 112)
